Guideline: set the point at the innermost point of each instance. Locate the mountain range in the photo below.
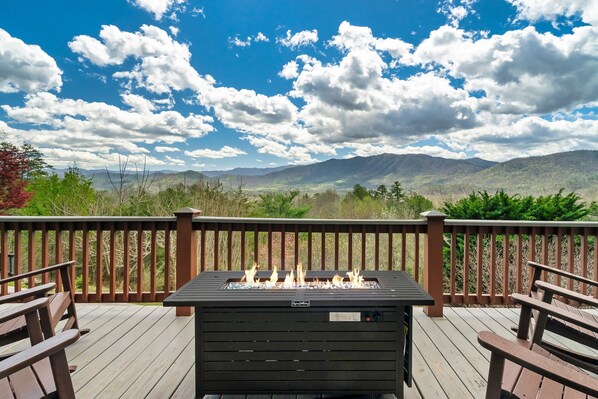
(433, 176)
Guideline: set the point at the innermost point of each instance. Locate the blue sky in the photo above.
(190, 84)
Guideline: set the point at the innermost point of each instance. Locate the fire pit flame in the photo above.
(300, 274)
(337, 281)
(250, 274)
(356, 280)
(288, 281)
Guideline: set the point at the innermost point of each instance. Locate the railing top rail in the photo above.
(373, 222)
(518, 223)
(79, 219)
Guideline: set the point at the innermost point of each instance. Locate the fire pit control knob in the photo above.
(374, 316)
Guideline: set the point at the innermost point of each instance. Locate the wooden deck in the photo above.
(138, 351)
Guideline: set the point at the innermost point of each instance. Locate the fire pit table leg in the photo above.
(400, 353)
(199, 389)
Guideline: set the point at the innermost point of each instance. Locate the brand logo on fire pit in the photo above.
(300, 304)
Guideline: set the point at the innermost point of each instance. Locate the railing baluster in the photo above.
(31, 253)
(4, 257)
(519, 263)
(45, 254)
(282, 247)
(377, 248)
(202, 247)
(229, 247)
(72, 252)
(126, 262)
(571, 257)
(466, 265)
(403, 248)
(309, 247)
(58, 255)
(99, 268)
(216, 246)
(18, 255)
(256, 242)
(584, 260)
(243, 247)
(112, 262)
(350, 247)
(545, 247)
(492, 265)
(296, 238)
(453, 283)
(559, 254)
(140, 262)
(167, 260)
(532, 245)
(363, 253)
(153, 262)
(505, 266)
(390, 231)
(323, 252)
(336, 244)
(416, 255)
(269, 246)
(85, 265)
(479, 264)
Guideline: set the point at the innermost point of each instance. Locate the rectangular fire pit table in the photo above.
(302, 341)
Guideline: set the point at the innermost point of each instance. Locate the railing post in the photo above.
(434, 262)
(186, 252)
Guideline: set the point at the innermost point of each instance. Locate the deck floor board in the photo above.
(136, 351)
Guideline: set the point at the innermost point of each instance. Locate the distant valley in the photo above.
(432, 176)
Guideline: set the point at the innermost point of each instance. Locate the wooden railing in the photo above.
(494, 264)
(117, 258)
(144, 259)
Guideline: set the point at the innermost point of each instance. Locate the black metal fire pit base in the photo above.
(302, 341)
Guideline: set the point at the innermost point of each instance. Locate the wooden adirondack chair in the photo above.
(61, 304)
(40, 371)
(559, 317)
(524, 370)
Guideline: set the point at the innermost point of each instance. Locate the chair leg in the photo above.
(62, 377)
(497, 367)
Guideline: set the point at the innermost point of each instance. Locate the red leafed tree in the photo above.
(14, 164)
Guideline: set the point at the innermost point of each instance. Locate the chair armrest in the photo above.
(37, 352)
(543, 307)
(538, 363)
(23, 309)
(576, 296)
(27, 293)
(562, 273)
(39, 271)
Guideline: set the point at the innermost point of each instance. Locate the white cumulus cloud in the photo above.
(100, 127)
(224, 152)
(526, 136)
(166, 149)
(260, 37)
(299, 39)
(353, 101)
(535, 10)
(521, 71)
(26, 67)
(351, 37)
(293, 154)
(157, 7)
(290, 70)
(164, 63)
